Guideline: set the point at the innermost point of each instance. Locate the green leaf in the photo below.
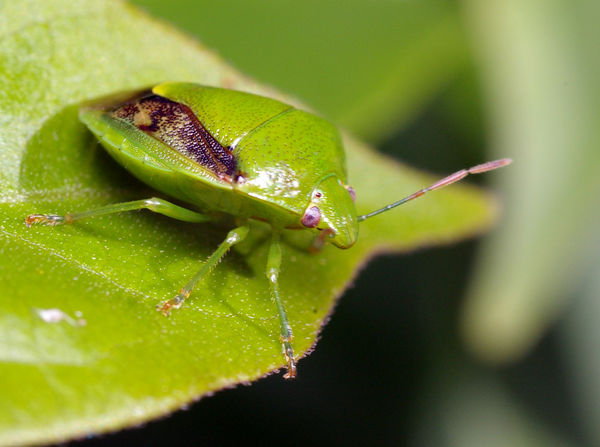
(111, 360)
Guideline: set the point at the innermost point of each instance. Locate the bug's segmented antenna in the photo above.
(452, 178)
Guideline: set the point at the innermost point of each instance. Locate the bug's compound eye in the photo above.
(312, 217)
(352, 193)
(317, 195)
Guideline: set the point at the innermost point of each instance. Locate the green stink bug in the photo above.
(228, 152)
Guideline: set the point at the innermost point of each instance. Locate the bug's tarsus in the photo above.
(49, 220)
(174, 303)
(452, 178)
(288, 352)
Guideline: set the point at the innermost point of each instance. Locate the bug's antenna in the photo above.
(452, 178)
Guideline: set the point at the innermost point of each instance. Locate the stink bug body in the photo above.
(229, 152)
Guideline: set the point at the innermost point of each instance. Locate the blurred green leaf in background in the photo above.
(410, 357)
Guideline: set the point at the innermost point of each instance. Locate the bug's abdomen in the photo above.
(176, 126)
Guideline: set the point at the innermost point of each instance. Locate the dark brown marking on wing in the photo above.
(176, 125)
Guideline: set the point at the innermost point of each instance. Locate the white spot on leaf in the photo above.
(54, 316)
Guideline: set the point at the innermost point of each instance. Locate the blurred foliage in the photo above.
(539, 64)
(368, 68)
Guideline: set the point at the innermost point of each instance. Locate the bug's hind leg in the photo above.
(233, 237)
(153, 204)
(286, 337)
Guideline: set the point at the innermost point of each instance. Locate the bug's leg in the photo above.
(153, 204)
(286, 337)
(320, 240)
(233, 237)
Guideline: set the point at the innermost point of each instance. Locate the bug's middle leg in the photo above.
(286, 337)
(235, 236)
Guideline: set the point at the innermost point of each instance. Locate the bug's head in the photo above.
(331, 209)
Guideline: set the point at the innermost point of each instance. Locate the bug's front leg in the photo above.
(286, 337)
(320, 240)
